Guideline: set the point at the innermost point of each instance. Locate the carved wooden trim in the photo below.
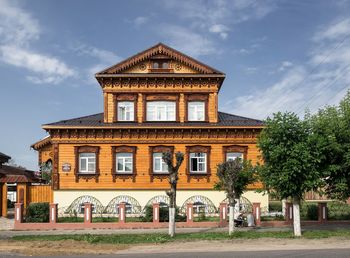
(234, 148)
(155, 149)
(198, 148)
(55, 174)
(160, 97)
(122, 98)
(87, 149)
(197, 97)
(123, 149)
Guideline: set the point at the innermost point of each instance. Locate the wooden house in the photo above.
(155, 101)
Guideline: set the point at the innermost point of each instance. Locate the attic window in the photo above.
(160, 65)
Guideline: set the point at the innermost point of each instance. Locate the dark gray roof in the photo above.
(96, 120)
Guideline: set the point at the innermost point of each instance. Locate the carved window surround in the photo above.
(158, 149)
(161, 97)
(234, 148)
(86, 149)
(123, 149)
(124, 97)
(199, 149)
(197, 97)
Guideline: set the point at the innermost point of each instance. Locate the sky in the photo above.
(277, 55)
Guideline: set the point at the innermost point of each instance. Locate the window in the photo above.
(198, 162)
(87, 163)
(161, 111)
(126, 111)
(233, 155)
(124, 162)
(159, 166)
(160, 65)
(196, 111)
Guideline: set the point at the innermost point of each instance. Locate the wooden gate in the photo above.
(40, 193)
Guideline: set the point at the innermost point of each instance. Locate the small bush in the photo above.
(163, 214)
(38, 212)
(338, 211)
(275, 206)
(309, 211)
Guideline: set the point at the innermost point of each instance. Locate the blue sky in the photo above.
(277, 55)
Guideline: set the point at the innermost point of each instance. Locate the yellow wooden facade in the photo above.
(134, 79)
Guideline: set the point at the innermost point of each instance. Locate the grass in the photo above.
(163, 238)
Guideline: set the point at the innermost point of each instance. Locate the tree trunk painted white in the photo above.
(237, 208)
(172, 222)
(296, 217)
(231, 223)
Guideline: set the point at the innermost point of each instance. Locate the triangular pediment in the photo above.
(142, 62)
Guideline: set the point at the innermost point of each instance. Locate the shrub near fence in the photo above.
(309, 211)
(338, 211)
(38, 212)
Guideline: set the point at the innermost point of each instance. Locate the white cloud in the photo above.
(336, 30)
(138, 21)
(285, 65)
(17, 30)
(251, 70)
(222, 30)
(193, 44)
(322, 80)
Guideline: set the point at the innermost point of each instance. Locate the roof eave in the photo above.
(48, 127)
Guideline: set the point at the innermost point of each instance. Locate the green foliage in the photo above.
(234, 177)
(331, 128)
(10, 204)
(163, 214)
(290, 155)
(46, 171)
(338, 211)
(273, 218)
(309, 211)
(275, 206)
(37, 212)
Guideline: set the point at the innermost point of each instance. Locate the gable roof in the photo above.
(96, 120)
(159, 49)
(41, 143)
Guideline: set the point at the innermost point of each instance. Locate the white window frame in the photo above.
(129, 108)
(157, 107)
(124, 162)
(163, 166)
(90, 159)
(234, 155)
(193, 156)
(194, 116)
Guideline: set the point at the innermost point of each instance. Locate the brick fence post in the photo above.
(156, 212)
(289, 212)
(122, 215)
(87, 213)
(257, 213)
(189, 213)
(18, 213)
(322, 212)
(223, 213)
(53, 213)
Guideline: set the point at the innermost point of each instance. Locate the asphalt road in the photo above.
(333, 253)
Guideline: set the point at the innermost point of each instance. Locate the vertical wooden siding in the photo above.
(40, 193)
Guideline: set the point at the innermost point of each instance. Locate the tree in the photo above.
(331, 126)
(12, 163)
(173, 178)
(291, 160)
(46, 171)
(234, 177)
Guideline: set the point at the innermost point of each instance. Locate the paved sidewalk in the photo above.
(6, 224)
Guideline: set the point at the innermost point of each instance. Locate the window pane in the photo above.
(120, 165)
(126, 111)
(233, 155)
(128, 167)
(91, 167)
(156, 164)
(82, 164)
(194, 164)
(161, 111)
(87, 155)
(196, 111)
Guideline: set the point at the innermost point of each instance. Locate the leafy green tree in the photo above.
(46, 171)
(291, 160)
(234, 177)
(331, 126)
(173, 178)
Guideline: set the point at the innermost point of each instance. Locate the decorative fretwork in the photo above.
(77, 206)
(245, 206)
(201, 204)
(132, 205)
(163, 201)
(235, 148)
